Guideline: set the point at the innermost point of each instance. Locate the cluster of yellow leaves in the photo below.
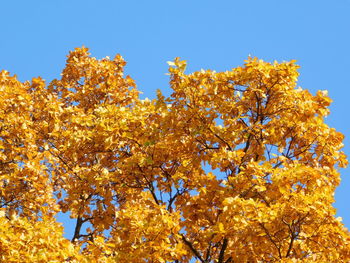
(145, 228)
(23, 240)
(235, 166)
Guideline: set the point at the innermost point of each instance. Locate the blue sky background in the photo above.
(37, 35)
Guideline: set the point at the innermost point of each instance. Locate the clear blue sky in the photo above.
(37, 35)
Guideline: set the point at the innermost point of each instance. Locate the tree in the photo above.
(235, 166)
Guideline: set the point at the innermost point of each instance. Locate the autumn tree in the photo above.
(235, 166)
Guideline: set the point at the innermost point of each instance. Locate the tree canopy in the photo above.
(235, 166)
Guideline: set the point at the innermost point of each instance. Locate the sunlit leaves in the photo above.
(235, 166)
(24, 240)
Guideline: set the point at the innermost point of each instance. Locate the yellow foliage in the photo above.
(235, 166)
(23, 240)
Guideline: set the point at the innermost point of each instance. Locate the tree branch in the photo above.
(78, 225)
(195, 252)
(222, 251)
